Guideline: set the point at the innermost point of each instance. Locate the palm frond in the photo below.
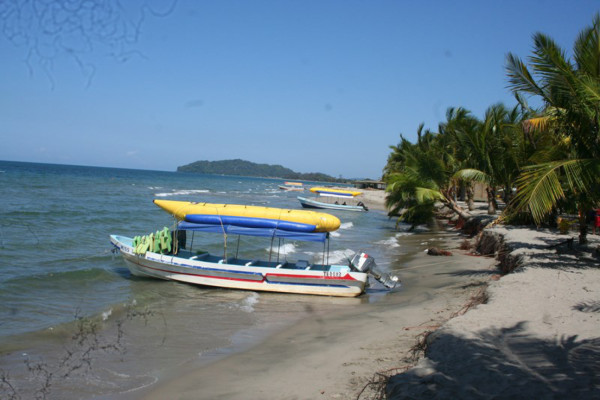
(589, 89)
(519, 77)
(540, 187)
(470, 174)
(538, 123)
(427, 195)
(586, 49)
(538, 190)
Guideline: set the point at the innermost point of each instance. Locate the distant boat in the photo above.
(292, 186)
(339, 200)
(163, 256)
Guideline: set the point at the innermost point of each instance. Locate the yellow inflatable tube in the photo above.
(179, 209)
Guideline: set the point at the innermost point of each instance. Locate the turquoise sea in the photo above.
(75, 324)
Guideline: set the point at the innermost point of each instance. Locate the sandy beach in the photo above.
(374, 199)
(535, 336)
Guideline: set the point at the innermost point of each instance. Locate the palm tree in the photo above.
(418, 175)
(569, 170)
(491, 150)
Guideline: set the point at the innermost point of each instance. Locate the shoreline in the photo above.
(335, 356)
(373, 198)
(528, 322)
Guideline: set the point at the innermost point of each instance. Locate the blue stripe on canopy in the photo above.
(264, 232)
(333, 194)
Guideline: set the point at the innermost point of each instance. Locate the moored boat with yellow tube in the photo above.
(167, 255)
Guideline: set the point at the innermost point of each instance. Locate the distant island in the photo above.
(247, 168)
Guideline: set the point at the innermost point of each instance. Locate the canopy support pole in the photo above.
(271, 248)
(278, 248)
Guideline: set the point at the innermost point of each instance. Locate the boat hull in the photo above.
(340, 282)
(291, 188)
(310, 203)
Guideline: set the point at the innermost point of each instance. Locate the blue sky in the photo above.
(315, 85)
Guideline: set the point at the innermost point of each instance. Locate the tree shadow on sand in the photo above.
(502, 364)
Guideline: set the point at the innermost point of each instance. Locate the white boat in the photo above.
(292, 186)
(161, 257)
(338, 200)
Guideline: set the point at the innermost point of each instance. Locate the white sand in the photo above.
(537, 337)
(374, 199)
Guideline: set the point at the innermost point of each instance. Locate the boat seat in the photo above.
(228, 260)
(302, 264)
(249, 263)
(282, 265)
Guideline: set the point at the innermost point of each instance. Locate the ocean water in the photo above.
(75, 324)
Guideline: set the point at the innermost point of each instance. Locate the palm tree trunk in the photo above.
(583, 228)
(451, 204)
(470, 196)
(492, 205)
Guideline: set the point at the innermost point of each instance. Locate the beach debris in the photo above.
(477, 298)
(435, 251)
(466, 245)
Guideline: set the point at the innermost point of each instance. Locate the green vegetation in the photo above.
(246, 168)
(551, 155)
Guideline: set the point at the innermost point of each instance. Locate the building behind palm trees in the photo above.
(370, 184)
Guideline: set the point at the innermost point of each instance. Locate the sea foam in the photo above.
(391, 242)
(249, 302)
(181, 192)
(335, 257)
(346, 225)
(286, 249)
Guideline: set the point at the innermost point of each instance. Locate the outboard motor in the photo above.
(365, 263)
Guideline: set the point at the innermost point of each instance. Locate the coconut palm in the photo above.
(422, 178)
(570, 91)
(491, 150)
(459, 125)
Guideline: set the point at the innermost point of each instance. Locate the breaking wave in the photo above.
(181, 192)
(286, 249)
(335, 257)
(391, 242)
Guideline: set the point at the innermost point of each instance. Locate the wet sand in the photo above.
(334, 356)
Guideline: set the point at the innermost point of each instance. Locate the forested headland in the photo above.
(246, 168)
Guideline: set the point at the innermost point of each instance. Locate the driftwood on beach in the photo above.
(435, 251)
